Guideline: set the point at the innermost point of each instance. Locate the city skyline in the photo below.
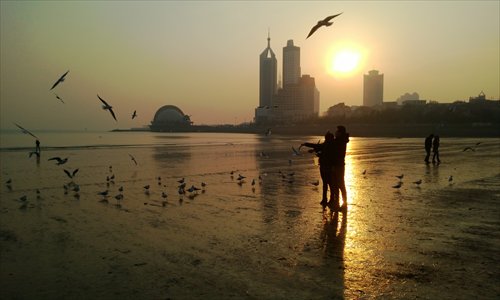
(203, 56)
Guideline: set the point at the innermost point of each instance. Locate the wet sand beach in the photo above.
(235, 240)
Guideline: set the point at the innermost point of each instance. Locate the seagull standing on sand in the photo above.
(397, 186)
(106, 106)
(325, 22)
(61, 79)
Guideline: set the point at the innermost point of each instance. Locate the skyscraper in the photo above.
(268, 75)
(267, 83)
(291, 64)
(373, 88)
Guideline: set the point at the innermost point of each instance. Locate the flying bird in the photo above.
(326, 22)
(57, 96)
(106, 106)
(133, 159)
(61, 79)
(296, 152)
(134, 115)
(59, 160)
(26, 131)
(71, 174)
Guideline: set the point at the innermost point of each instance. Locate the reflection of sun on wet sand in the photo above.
(232, 239)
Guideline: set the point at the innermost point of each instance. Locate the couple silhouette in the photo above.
(331, 155)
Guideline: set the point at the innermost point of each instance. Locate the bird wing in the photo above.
(313, 29)
(68, 173)
(113, 114)
(102, 100)
(331, 17)
(61, 79)
(55, 158)
(57, 96)
(74, 173)
(26, 131)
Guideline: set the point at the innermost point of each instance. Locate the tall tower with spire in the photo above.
(268, 71)
(267, 82)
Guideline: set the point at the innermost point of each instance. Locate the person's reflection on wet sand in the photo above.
(332, 236)
(333, 243)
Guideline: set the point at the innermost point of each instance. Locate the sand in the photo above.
(271, 240)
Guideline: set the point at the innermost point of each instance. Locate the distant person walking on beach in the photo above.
(341, 140)
(428, 147)
(325, 152)
(435, 150)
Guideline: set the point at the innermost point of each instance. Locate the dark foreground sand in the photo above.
(237, 241)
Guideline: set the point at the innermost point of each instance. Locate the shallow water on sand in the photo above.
(271, 240)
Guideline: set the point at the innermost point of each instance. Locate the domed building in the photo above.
(170, 118)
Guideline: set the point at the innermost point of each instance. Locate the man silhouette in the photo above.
(428, 147)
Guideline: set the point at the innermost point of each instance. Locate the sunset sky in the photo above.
(203, 56)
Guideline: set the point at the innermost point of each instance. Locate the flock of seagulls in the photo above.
(105, 105)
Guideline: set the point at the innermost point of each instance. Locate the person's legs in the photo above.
(325, 179)
(341, 183)
(428, 154)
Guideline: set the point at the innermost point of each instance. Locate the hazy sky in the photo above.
(203, 56)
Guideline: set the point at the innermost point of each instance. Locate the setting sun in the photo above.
(345, 61)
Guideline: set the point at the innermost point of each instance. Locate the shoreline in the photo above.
(470, 130)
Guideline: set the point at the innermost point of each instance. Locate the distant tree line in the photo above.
(431, 113)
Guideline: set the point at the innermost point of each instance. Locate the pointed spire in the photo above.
(268, 38)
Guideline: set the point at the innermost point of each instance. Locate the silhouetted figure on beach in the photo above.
(428, 147)
(325, 152)
(435, 150)
(340, 146)
(37, 147)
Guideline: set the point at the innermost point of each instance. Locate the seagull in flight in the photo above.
(134, 115)
(57, 96)
(59, 160)
(61, 79)
(106, 106)
(325, 22)
(26, 131)
(296, 152)
(133, 159)
(71, 174)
